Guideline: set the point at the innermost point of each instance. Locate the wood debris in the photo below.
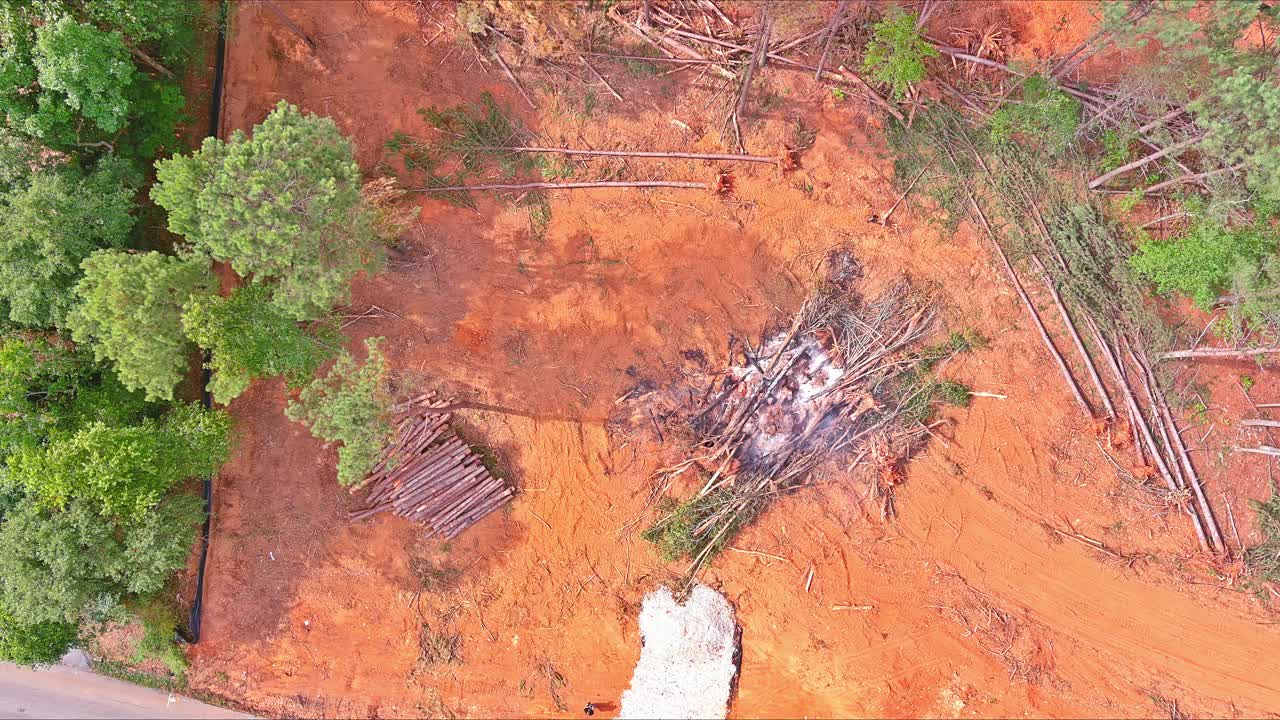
(431, 476)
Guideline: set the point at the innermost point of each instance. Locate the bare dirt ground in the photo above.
(980, 604)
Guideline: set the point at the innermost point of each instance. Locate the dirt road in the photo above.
(64, 692)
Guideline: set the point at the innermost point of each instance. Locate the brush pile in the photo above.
(430, 476)
(841, 378)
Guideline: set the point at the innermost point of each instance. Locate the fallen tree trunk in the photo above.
(1145, 160)
(730, 157)
(572, 186)
(1218, 353)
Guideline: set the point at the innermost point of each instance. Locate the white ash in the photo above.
(799, 399)
(686, 664)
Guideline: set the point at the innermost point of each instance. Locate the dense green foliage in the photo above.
(1203, 262)
(88, 476)
(283, 207)
(1229, 86)
(53, 564)
(673, 534)
(35, 643)
(91, 68)
(48, 227)
(896, 53)
(1046, 116)
(351, 405)
(68, 78)
(131, 313)
(122, 470)
(251, 338)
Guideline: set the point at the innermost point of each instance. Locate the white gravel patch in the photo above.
(686, 662)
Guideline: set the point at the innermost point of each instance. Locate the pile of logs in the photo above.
(430, 476)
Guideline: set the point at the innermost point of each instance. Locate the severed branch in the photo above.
(757, 60)
(1190, 178)
(598, 76)
(1026, 301)
(1260, 450)
(1165, 416)
(512, 77)
(138, 53)
(1217, 353)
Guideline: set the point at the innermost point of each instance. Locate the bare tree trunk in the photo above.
(1218, 353)
(1102, 179)
(275, 9)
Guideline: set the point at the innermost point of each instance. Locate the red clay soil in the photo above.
(980, 602)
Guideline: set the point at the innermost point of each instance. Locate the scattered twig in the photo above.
(884, 219)
(755, 552)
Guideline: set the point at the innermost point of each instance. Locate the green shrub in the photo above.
(673, 533)
(130, 312)
(1046, 116)
(1264, 557)
(283, 207)
(1115, 150)
(50, 226)
(1203, 262)
(159, 632)
(251, 338)
(896, 53)
(351, 405)
(42, 643)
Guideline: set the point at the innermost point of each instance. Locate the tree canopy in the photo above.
(249, 337)
(122, 470)
(131, 313)
(53, 564)
(282, 207)
(50, 226)
(350, 405)
(67, 77)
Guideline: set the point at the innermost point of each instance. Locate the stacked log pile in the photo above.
(429, 475)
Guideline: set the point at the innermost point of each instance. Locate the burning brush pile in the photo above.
(846, 378)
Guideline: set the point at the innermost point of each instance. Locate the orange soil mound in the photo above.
(978, 606)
